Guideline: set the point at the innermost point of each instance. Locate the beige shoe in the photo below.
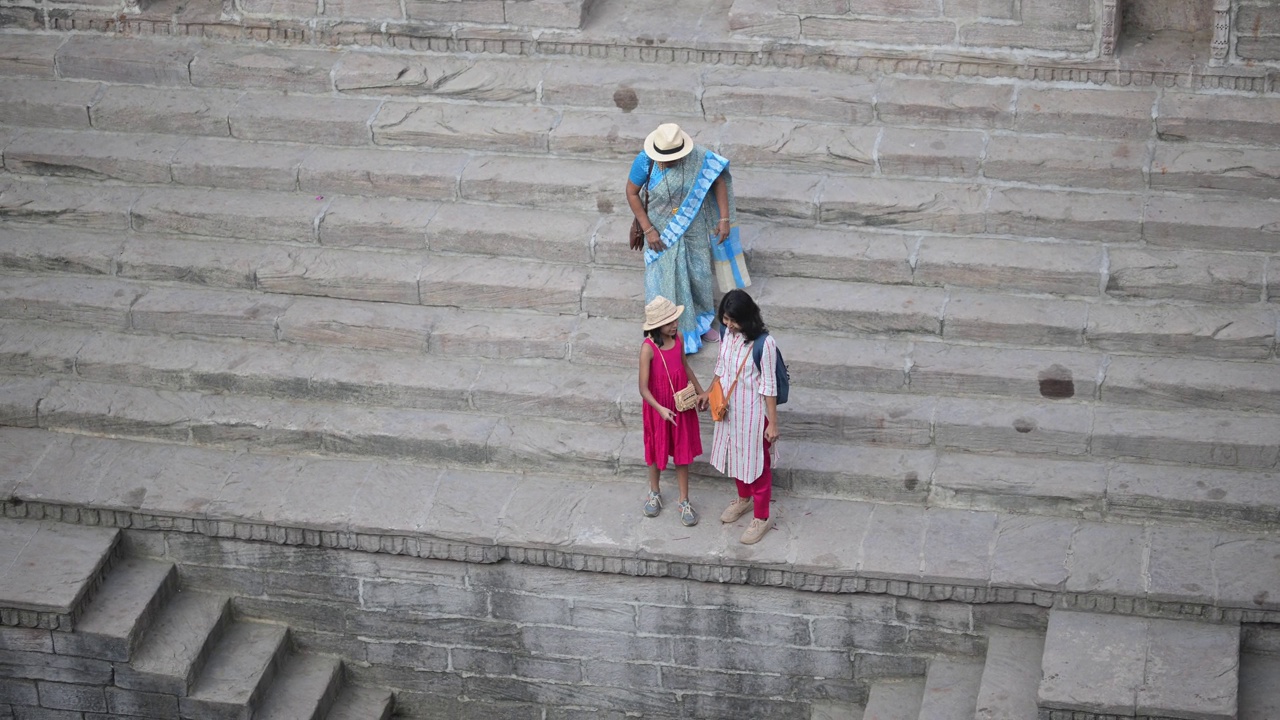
(736, 509)
(756, 530)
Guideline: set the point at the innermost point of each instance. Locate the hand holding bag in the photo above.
(687, 397)
(719, 398)
(637, 233)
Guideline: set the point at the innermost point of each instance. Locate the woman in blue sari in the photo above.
(690, 204)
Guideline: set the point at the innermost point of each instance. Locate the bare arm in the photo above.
(646, 358)
(771, 412)
(721, 189)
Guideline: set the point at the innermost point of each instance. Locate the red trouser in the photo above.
(761, 491)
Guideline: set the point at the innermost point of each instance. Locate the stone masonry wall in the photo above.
(1257, 30)
(527, 637)
(523, 13)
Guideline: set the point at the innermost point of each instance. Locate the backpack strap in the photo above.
(757, 349)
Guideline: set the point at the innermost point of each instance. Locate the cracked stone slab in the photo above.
(21, 401)
(1226, 119)
(855, 472)
(1210, 438)
(1070, 162)
(173, 111)
(846, 363)
(800, 146)
(1094, 217)
(775, 194)
(1003, 265)
(446, 125)
(47, 103)
(596, 133)
(238, 165)
(957, 544)
(105, 58)
(824, 305)
(1209, 223)
(946, 369)
(1185, 275)
(298, 118)
(1092, 113)
(1252, 171)
(1020, 483)
(1172, 383)
(360, 171)
(30, 584)
(930, 153)
(627, 88)
(985, 317)
(197, 311)
(505, 335)
(21, 450)
(201, 262)
(571, 184)
(372, 326)
(82, 253)
(531, 233)
(259, 66)
(30, 56)
(1044, 427)
(343, 274)
(103, 303)
(228, 214)
(1185, 492)
(442, 75)
(377, 222)
(92, 156)
(79, 206)
(1229, 332)
(904, 204)
(977, 105)
(477, 282)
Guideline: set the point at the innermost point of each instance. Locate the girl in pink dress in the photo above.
(667, 433)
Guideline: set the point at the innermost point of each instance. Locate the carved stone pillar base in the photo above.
(1110, 26)
(1221, 46)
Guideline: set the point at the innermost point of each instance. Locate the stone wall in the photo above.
(1257, 30)
(520, 13)
(437, 631)
(1049, 26)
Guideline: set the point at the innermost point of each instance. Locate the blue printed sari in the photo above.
(682, 206)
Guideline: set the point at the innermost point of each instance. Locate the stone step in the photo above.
(899, 699)
(305, 688)
(177, 646)
(358, 703)
(240, 670)
(1002, 557)
(1259, 686)
(1011, 675)
(129, 601)
(951, 689)
(50, 573)
(1110, 665)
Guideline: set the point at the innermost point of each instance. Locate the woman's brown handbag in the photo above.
(687, 397)
(719, 399)
(637, 233)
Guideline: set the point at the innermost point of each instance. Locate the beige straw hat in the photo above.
(660, 312)
(668, 143)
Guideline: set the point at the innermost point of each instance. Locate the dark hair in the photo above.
(653, 335)
(739, 306)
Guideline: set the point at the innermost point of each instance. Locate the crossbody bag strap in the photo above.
(736, 376)
(664, 366)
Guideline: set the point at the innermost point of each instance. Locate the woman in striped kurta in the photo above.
(743, 441)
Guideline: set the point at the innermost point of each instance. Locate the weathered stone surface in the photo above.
(1259, 697)
(228, 214)
(1027, 35)
(546, 13)
(1110, 217)
(912, 101)
(1211, 223)
(878, 31)
(476, 11)
(1238, 332)
(1203, 277)
(426, 176)
(208, 312)
(1205, 438)
(444, 75)
(1058, 268)
(343, 274)
(1192, 492)
(904, 204)
(120, 611)
(612, 294)
(951, 689)
(1093, 113)
(998, 425)
(772, 194)
(1212, 118)
(323, 121)
(1070, 162)
(575, 185)
(1192, 669)
(202, 262)
(1109, 559)
(857, 473)
(894, 698)
(372, 326)
(512, 232)
(79, 206)
(1172, 383)
(104, 303)
(286, 8)
(799, 94)
(1093, 662)
(47, 103)
(824, 304)
(30, 56)
(361, 9)
(856, 256)
(483, 283)
(226, 163)
(627, 88)
(92, 156)
(946, 369)
(1011, 675)
(761, 18)
(957, 546)
(1252, 171)
(600, 133)
(892, 542)
(1030, 321)
(503, 335)
(1019, 483)
(20, 407)
(126, 108)
(802, 146)
(31, 250)
(272, 68)
(444, 125)
(105, 58)
(374, 222)
(930, 153)
(238, 667)
(34, 585)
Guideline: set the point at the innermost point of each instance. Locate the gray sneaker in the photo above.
(687, 515)
(653, 505)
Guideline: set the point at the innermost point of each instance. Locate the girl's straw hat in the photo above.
(660, 312)
(668, 143)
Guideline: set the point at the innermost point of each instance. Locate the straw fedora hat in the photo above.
(659, 312)
(668, 143)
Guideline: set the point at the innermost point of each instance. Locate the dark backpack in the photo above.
(780, 368)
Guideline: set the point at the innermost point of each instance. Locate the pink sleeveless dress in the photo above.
(682, 440)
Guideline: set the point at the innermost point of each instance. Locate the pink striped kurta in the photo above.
(737, 449)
